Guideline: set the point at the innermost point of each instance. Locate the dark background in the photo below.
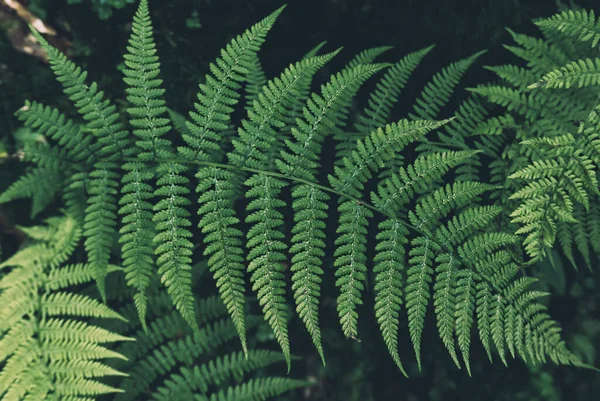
(190, 33)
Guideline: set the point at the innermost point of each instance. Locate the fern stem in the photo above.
(365, 204)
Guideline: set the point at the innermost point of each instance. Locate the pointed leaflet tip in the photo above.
(276, 13)
(143, 7)
(100, 284)
(37, 35)
(321, 354)
(315, 50)
(398, 363)
(244, 347)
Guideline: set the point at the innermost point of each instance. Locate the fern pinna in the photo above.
(421, 207)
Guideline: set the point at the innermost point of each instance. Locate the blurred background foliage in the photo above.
(189, 34)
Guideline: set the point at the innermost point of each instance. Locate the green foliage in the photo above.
(552, 109)
(264, 192)
(170, 361)
(576, 23)
(163, 232)
(47, 352)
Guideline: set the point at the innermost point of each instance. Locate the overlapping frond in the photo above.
(579, 73)
(419, 202)
(381, 101)
(46, 350)
(437, 93)
(257, 135)
(112, 139)
(565, 175)
(171, 362)
(61, 158)
(39, 184)
(310, 202)
(370, 155)
(220, 91)
(581, 24)
(552, 173)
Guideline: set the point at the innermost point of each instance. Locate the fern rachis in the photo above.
(437, 241)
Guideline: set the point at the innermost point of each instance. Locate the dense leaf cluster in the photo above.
(428, 196)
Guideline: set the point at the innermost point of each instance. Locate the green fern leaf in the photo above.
(100, 218)
(266, 253)
(437, 93)
(218, 94)
(370, 155)
(40, 184)
(388, 282)
(309, 202)
(580, 73)
(44, 353)
(578, 23)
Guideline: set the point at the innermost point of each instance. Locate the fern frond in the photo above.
(266, 253)
(323, 111)
(309, 202)
(45, 353)
(437, 93)
(52, 123)
(256, 136)
(580, 73)
(518, 77)
(380, 103)
(148, 117)
(40, 184)
(217, 97)
(367, 56)
(173, 247)
(165, 352)
(540, 56)
(395, 192)
(387, 91)
(255, 80)
(171, 362)
(223, 240)
(437, 244)
(259, 388)
(295, 111)
(581, 24)
(213, 373)
(219, 93)
(553, 188)
(388, 282)
(424, 218)
(258, 133)
(137, 231)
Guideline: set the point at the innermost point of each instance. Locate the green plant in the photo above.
(550, 167)
(50, 353)
(169, 361)
(433, 222)
(46, 350)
